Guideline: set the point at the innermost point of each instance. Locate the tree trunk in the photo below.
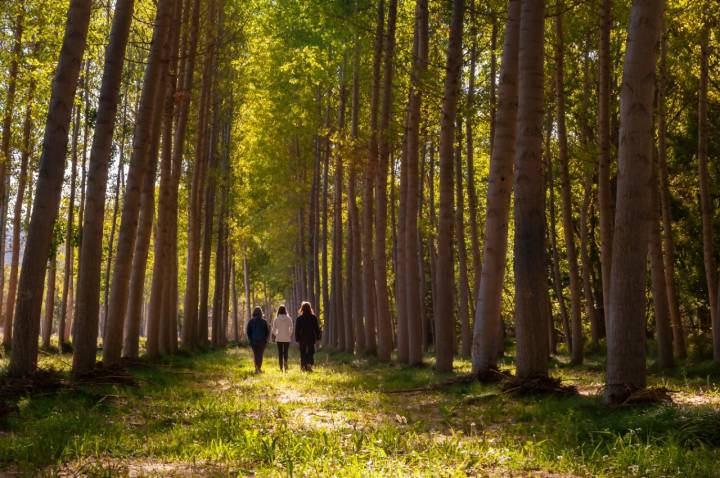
(489, 298)
(530, 280)
(354, 252)
(17, 211)
(23, 359)
(444, 317)
(576, 351)
(369, 299)
(139, 163)
(463, 286)
(66, 300)
(668, 242)
(413, 247)
(88, 288)
(338, 292)
(663, 329)
(136, 299)
(49, 303)
(6, 160)
(706, 207)
(605, 200)
(470, 147)
(384, 323)
(626, 321)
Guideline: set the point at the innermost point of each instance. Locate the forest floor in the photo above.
(209, 415)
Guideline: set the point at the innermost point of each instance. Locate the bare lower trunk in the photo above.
(663, 330)
(384, 323)
(413, 246)
(463, 286)
(47, 325)
(489, 299)
(626, 321)
(604, 160)
(706, 208)
(530, 280)
(445, 320)
(88, 289)
(369, 300)
(668, 242)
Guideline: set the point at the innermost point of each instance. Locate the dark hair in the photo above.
(305, 309)
(258, 312)
(282, 310)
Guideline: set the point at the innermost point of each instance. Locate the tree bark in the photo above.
(463, 285)
(384, 323)
(626, 321)
(17, 211)
(706, 207)
(576, 351)
(489, 298)
(605, 201)
(445, 318)
(49, 302)
(663, 329)
(413, 247)
(23, 359)
(368, 266)
(530, 280)
(667, 237)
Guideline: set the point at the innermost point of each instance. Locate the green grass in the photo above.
(210, 415)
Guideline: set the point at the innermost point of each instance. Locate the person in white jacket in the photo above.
(282, 331)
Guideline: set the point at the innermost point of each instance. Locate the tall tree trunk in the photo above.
(368, 291)
(17, 211)
(463, 286)
(384, 323)
(413, 246)
(49, 302)
(139, 163)
(354, 252)
(23, 359)
(706, 207)
(605, 201)
(136, 298)
(667, 237)
(445, 317)
(327, 307)
(338, 299)
(6, 160)
(530, 280)
(470, 146)
(66, 307)
(488, 322)
(88, 289)
(576, 351)
(626, 321)
(663, 329)
(192, 324)
(246, 282)
(236, 310)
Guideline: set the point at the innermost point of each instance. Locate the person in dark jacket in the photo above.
(258, 333)
(307, 335)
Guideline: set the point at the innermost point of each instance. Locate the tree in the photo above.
(530, 280)
(489, 299)
(626, 321)
(23, 359)
(88, 289)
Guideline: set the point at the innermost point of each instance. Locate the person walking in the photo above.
(257, 333)
(282, 330)
(307, 334)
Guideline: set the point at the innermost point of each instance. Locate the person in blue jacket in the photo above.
(258, 332)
